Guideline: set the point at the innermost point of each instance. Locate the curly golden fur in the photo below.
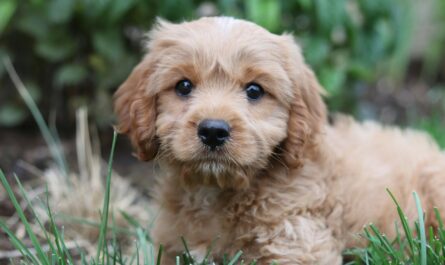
(287, 186)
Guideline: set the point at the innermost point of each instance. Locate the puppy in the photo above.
(235, 119)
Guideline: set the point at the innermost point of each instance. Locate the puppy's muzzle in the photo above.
(213, 133)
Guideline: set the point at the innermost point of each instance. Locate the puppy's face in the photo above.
(215, 98)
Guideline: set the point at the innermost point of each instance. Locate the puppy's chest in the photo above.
(237, 215)
(237, 219)
(216, 209)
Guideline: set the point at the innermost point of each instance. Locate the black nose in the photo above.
(213, 133)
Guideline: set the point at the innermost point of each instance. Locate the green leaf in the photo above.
(55, 49)
(94, 9)
(119, 8)
(116, 72)
(337, 9)
(34, 23)
(11, 115)
(360, 70)
(266, 13)
(97, 63)
(3, 54)
(323, 14)
(109, 43)
(329, 14)
(230, 8)
(332, 79)
(60, 11)
(381, 38)
(70, 74)
(316, 50)
(175, 9)
(306, 4)
(7, 9)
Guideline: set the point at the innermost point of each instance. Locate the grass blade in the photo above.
(144, 245)
(188, 259)
(405, 225)
(28, 201)
(235, 258)
(52, 142)
(209, 251)
(43, 258)
(105, 209)
(385, 245)
(131, 220)
(161, 248)
(441, 226)
(18, 244)
(423, 257)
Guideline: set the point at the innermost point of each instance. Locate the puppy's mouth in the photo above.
(214, 172)
(214, 155)
(213, 167)
(212, 162)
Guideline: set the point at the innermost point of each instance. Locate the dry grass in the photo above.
(76, 200)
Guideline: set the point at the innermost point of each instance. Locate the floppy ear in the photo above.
(136, 111)
(307, 112)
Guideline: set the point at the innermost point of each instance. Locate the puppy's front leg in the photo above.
(300, 240)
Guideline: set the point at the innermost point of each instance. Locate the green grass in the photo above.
(104, 221)
(434, 126)
(51, 138)
(418, 245)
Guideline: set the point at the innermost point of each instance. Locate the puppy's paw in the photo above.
(199, 253)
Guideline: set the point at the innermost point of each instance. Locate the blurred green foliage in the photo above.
(76, 52)
(435, 53)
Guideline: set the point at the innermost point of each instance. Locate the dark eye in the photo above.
(254, 91)
(184, 88)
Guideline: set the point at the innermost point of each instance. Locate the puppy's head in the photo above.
(220, 100)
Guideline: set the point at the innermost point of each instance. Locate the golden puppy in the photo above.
(235, 118)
